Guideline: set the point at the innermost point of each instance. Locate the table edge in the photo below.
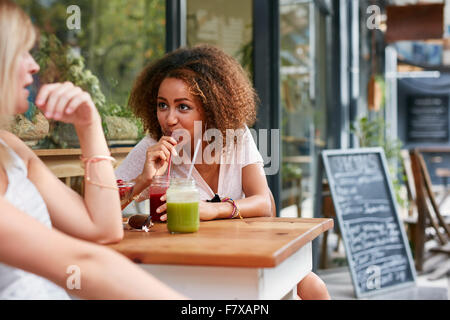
(260, 262)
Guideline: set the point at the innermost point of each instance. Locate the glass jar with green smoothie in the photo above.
(182, 206)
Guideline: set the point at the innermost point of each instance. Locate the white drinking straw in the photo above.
(195, 157)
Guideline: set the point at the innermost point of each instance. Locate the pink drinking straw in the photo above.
(168, 169)
(170, 159)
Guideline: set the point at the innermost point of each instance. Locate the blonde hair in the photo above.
(17, 35)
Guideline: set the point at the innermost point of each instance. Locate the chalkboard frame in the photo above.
(379, 152)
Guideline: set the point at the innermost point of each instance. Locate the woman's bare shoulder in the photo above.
(17, 145)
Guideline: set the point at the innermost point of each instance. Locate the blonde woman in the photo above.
(46, 229)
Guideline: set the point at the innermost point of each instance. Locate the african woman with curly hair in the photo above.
(205, 93)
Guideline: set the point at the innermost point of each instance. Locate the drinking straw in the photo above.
(195, 156)
(175, 136)
(168, 169)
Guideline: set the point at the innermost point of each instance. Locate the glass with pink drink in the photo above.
(158, 188)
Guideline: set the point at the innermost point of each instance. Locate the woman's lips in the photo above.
(170, 133)
(28, 83)
(26, 87)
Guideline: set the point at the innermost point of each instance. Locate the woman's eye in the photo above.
(162, 105)
(184, 107)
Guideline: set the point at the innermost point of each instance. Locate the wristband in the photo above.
(236, 212)
(86, 164)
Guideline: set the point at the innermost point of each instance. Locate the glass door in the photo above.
(303, 111)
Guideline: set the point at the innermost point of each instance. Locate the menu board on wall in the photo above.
(376, 246)
(428, 118)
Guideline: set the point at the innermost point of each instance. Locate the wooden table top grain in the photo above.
(252, 242)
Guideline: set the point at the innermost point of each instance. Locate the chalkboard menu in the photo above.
(427, 118)
(374, 238)
(436, 158)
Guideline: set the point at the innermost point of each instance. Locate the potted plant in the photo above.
(30, 127)
(61, 63)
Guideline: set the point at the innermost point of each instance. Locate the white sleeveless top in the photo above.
(21, 192)
(230, 172)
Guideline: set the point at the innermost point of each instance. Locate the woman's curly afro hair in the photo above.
(218, 80)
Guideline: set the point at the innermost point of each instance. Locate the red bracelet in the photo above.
(236, 212)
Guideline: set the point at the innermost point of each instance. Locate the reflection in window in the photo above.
(226, 24)
(302, 118)
(116, 39)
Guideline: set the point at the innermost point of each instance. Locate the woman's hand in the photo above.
(207, 210)
(67, 103)
(157, 158)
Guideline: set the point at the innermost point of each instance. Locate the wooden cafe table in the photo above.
(253, 258)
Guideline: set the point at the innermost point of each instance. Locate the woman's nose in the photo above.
(34, 67)
(172, 118)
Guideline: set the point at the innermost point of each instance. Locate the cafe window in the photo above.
(303, 111)
(226, 24)
(101, 46)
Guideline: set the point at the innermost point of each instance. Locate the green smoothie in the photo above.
(182, 217)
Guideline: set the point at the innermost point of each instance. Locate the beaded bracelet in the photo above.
(86, 164)
(236, 212)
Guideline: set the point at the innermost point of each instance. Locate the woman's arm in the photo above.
(98, 213)
(27, 244)
(68, 211)
(97, 216)
(257, 201)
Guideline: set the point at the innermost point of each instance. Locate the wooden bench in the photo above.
(66, 164)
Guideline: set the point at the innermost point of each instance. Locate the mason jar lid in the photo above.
(182, 190)
(182, 182)
(160, 181)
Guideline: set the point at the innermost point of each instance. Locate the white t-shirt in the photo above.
(230, 173)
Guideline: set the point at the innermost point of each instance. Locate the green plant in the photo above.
(114, 109)
(60, 63)
(117, 38)
(245, 56)
(372, 133)
(290, 171)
